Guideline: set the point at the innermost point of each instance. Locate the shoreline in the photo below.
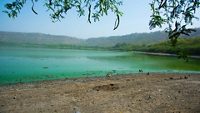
(165, 54)
(98, 77)
(154, 93)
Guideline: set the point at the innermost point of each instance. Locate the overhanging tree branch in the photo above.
(58, 8)
(177, 14)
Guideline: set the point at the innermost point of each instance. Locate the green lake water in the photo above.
(35, 64)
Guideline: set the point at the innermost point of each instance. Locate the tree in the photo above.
(177, 14)
(59, 8)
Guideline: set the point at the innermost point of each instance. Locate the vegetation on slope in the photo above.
(148, 42)
(190, 46)
(20, 38)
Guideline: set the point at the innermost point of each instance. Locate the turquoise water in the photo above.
(35, 64)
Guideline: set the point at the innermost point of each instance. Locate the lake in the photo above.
(35, 64)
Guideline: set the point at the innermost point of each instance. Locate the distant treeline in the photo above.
(53, 46)
(189, 45)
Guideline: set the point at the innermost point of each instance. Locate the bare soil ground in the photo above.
(140, 93)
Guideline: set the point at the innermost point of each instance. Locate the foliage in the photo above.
(126, 47)
(184, 47)
(59, 8)
(176, 14)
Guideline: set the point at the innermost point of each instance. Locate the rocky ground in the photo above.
(140, 93)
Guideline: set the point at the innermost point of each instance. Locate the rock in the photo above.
(109, 74)
(148, 97)
(185, 77)
(140, 70)
(76, 110)
(171, 78)
(114, 71)
(66, 78)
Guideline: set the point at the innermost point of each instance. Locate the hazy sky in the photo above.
(135, 19)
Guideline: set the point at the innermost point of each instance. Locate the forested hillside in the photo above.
(36, 38)
(135, 38)
(189, 45)
(154, 41)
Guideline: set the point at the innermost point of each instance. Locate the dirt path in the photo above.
(157, 93)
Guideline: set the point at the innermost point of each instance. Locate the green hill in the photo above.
(18, 38)
(54, 41)
(189, 45)
(134, 39)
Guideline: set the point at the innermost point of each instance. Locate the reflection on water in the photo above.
(33, 64)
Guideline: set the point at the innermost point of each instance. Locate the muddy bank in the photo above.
(154, 93)
(166, 54)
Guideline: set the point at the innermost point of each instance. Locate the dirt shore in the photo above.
(138, 93)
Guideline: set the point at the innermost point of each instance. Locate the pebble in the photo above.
(76, 110)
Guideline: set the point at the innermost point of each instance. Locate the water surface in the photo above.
(34, 64)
